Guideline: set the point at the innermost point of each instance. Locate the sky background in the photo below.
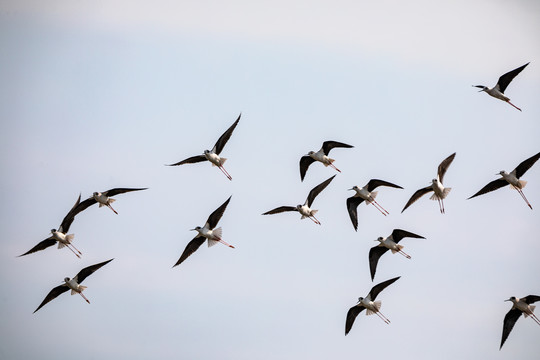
(98, 95)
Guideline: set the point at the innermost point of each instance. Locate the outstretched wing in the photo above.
(526, 165)
(191, 160)
(508, 324)
(68, 219)
(531, 299)
(41, 246)
(351, 316)
(399, 234)
(329, 145)
(494, 185)
(214, 217)
(60, 289)
(280, 210)
(317, 189)
(443, 166)
(374, 183)
(220, 144)
(417, 195)
(117, 191)
(505, 79)
(380, 287)
(87, 271)
(191, 247)
(374, 255)
(305, 161)
(352, 205)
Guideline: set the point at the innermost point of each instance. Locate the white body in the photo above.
(390, 244)
(372, 307)
(214, 158)
(513, 180)
(63, 239)
(305, 211)
(369, 197)
(495, 92)
(74, 286)
(523, 306)
(321, 157)
(102, 199)
(440, 192)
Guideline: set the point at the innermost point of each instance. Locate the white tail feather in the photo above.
(60, 245)
(313, 212)
(373, 196)
(399, 249)
(521, 185)
(100, 204)
(217, 232)
(444, 194)
(70, 237)
(111, 200)
(532, 307)
(377, 305)
(212, 242)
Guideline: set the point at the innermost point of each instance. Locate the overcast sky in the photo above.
(98, 95)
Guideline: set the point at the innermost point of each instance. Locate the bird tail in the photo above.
(521, 185)
(217, 233)
(373, 196)
(221, 161)
(377, 305)
(60, 245)
(81, 288)
(532, 307)
(399, 249)
(330, 161)
(70, 237)
(444, 194)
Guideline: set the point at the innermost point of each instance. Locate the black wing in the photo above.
(351, 316)
(508, 77)
(220, 144)
(329, 145)
(380, 287)
(87, 271)
(191, 160)
(374, 254)
(352, 205)
(317, 189)
(531, 299)
(60, 289)
(305, 161)
(191, 247)
(41, 246)
(374, 183)
(399, 234)
(417, 195)
(494, 185)
(444, 166)
(280, 210)
(214, 217)
(68, 219)
(508, 324)
(117, 191)
(526, 165)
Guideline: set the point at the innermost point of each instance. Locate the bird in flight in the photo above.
(439, 191)
(321, 156)
(519, 306)
(305, 209)
(369, 304)
(104, 198)
(73, 284)
(213, 155)
(207, 232)
(389, 243)
(498, 90)
(366, 194)
(511, 179)
(60, 236)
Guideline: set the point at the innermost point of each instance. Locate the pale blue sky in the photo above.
(101, 95)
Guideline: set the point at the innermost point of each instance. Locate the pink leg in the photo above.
(404, 254)
(513, 105)
(225, 172)
(381, 209)
(84, 297)
(224, 243)
(110, 207)
(535, 318)
(77, 255)
(384, 318)
(315, 220)
(332, 165)
(70, 244)
(524, 198)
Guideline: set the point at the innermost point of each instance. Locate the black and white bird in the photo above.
(213, 155)
(389, 243)
(103, 198)
(366, 194)
(60, 235)
(511, 179)
(519, 306)
(321, 156)
(439, 191)
(305, 209)
(369, 304)
(73, 284)
(207, 232)
(498, 90)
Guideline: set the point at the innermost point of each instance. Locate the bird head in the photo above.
(355, 188)
(434, 181)
(310, 153)
(512, 299)
(298, 207)
(66, 279)
(380, 239)
(196, 229)
(502, 172)
(360, 299)
(206, 151)
(484, 88)
(95, 193)
(53, 231)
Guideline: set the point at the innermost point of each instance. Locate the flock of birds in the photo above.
(365, 194)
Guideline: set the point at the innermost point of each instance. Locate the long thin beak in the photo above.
(350, 189)
(507, 300)
(192, 229)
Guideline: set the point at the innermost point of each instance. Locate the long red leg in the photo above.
(70, 244)
(332, 165)
(524, 198)
(535, 318)
(315, 220)
(380, 208)
(77, 255)
(84, 297)
(513, 105)
(384, 318)
(224, 243)
(404, 254)
(110, 207)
